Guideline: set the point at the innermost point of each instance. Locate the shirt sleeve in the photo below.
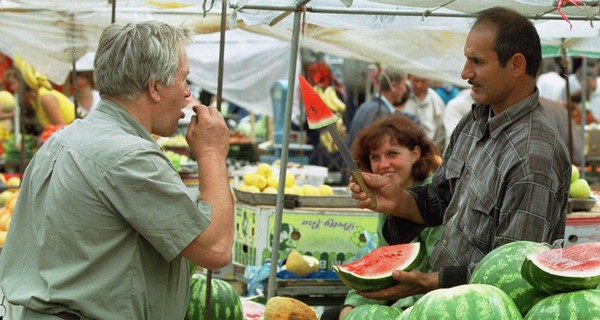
(433, 198)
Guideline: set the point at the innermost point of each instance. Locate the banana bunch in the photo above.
(329, 96)
(32, 78)
(327, 141)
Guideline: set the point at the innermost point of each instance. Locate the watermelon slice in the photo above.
(318, 115)
(565, 269)
(374, 271)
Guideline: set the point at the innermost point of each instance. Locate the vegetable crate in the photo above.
(332, 235)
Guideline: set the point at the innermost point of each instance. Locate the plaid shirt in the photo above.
(503, 179)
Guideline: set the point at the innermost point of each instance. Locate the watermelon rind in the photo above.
(468, 301)
(405, 315)
(361, 275)
(575, 305)
(501, 268)
(332, 119)
(372, 311)
(559, 275)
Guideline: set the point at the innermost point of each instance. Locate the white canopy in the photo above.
(423, 37)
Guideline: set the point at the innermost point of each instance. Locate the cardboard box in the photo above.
(582, 227)
(332, 235)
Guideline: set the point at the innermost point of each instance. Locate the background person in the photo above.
(395, 147)
(84, 93)
(49, 105)
(505, 175)
(392, 88)
(104, 226)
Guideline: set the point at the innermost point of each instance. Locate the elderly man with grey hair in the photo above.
(104, 226)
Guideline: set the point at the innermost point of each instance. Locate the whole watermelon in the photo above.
(566, 269)
(405, 315)
(465, 302)
(502, 268)
(225, 302)
(373, 311)
(576, 305)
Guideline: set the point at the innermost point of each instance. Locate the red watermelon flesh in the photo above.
(374, 271)
(574, 260)
(318, 115)
(565, 269)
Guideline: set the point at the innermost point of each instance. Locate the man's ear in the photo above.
(153, 90)
(519, 63)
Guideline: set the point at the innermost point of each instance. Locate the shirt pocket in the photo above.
(454, 168)
(478, 222)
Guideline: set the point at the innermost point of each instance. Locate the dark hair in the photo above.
(514, 34)
(389, 75)
(402, 131)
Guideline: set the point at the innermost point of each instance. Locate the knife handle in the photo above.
(358, 178)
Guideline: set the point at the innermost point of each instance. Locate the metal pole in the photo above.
(565, 64)
(388, 12)
(584, 99)
(272, 285)
(209, 272)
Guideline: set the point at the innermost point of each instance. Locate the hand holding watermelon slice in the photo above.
(385, 273)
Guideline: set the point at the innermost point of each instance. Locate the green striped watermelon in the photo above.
(225, 302)
(373, 311)
(575, 305)
(374, 271)
(501, 268)
(464, 302)
(405, 315)
(564, 269)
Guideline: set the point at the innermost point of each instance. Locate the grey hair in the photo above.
(130, 56)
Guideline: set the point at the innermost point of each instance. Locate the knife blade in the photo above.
(351, 164)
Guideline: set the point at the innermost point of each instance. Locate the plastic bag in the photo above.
(369, 246)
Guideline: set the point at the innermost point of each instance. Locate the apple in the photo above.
(574, 173)
(580, 189)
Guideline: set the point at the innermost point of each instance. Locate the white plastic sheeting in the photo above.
(423, 37)
(252, 64)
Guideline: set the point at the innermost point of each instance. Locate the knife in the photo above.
(319, 116)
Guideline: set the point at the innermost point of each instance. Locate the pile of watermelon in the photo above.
(519, 280)
(545, 283)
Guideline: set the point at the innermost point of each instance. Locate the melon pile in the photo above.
(545, 283)
(519, 280)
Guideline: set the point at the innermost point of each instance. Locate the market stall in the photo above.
(371, 15)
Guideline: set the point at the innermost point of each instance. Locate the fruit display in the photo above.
(564, 269)
(502, 268)
(176, 159)
(12, 150)
(8, 200)
(49, 129)
(374, 271)
(301, 265)
(466, 302)
(262, 180)
(576, 305)
(285, 308)
(7, 101)
(225, 301)
(580, 188)
(372, 311)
